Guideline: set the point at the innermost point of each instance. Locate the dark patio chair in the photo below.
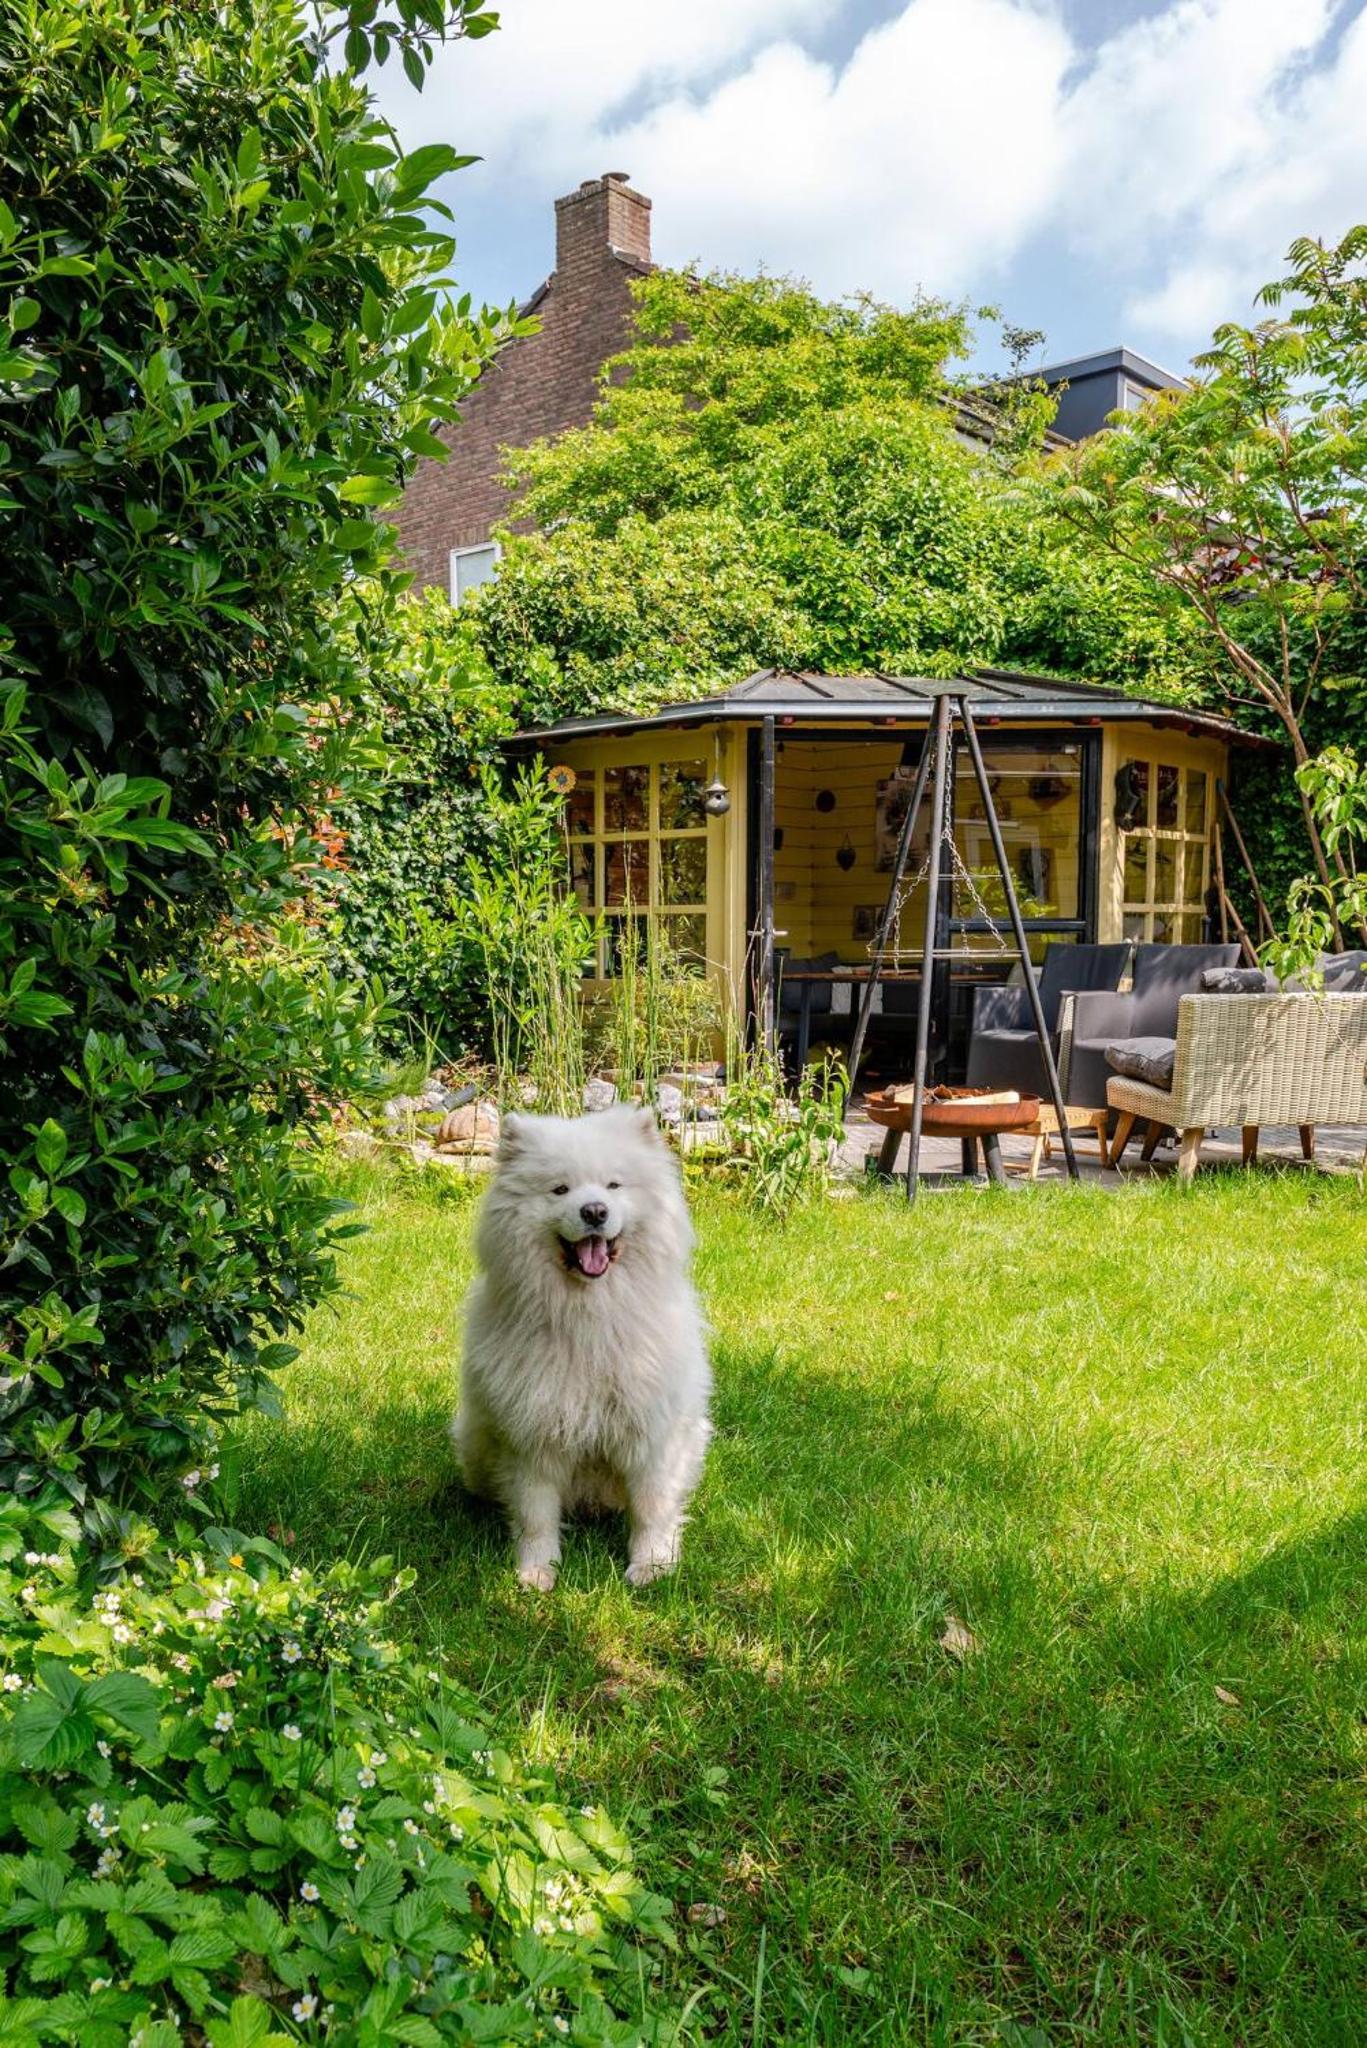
(1003, 1051)
(1162, 976)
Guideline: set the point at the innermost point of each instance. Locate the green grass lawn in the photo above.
(1120, 1437)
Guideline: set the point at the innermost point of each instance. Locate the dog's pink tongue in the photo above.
(593, 1256)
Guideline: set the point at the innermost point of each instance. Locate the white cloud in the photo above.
(925, 160)
(1300, 167)
(1162, 173)
(532, 99)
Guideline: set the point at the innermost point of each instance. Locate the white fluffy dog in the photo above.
(585, 1378)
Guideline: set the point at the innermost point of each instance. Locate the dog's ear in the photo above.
(645, 1121)
(512, 1135)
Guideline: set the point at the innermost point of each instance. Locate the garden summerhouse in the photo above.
(759, 827)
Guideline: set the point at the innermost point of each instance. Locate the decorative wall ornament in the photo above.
(845, 855)
(825, 799)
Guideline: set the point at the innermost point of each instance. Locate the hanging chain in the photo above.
(960, 873)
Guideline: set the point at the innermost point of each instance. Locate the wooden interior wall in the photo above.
(815, 899)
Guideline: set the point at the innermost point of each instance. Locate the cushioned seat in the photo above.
(1003, 1051)
(1162, 976)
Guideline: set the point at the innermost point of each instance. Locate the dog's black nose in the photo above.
(595, 1214)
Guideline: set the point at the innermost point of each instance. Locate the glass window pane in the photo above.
(681, 786)
(626, 871)
(688, 937)
(683, 871)
(1165, 855)
(1132, 795)
(1196, 801)
(1191, 925)
(579, 806)
(1037, 795)
(1164, 928)
(1137, 867)
(1167, 799)
(582, 864)
(1192, 889)
(625, 795)
(615, 939)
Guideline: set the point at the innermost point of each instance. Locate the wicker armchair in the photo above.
(1253, 1060)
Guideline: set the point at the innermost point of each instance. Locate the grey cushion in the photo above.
(1345, 974)
(1144, 1059)
(1234, 981)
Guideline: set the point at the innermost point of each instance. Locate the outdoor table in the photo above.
(807, 979)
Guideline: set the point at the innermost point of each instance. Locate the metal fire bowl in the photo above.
(960, 1117)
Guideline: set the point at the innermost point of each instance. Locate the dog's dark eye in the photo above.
(614, 1183)
(563, 1188)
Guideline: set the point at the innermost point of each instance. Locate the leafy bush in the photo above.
(227, 1804)
(223, 344)
(783, 1143)
(531, 945)
(402, 852)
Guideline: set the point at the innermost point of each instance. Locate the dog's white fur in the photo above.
(578, 1386)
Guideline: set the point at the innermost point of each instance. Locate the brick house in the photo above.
(538, 385)
(548, 381)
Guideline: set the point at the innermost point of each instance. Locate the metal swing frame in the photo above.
(935, 763)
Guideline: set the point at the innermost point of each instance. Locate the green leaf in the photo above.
(50, 1147)
(129, 1699)
(369, 490)
(248, 2025)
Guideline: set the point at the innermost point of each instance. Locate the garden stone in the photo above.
(400, 1106)
(359, 1145)
(669, 1104)
(598, 1095)
(475, 1125)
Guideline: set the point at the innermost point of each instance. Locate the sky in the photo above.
(1106, 170)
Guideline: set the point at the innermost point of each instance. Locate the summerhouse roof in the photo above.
(806, 696)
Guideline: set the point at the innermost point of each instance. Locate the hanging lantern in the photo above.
(845, 856)
(716, 798)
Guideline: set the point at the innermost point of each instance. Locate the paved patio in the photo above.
(1339, 1148)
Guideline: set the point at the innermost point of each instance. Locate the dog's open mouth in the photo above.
(590, 1256)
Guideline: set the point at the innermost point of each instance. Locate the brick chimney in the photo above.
(604, 215)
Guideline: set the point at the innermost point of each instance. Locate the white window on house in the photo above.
(471, 566)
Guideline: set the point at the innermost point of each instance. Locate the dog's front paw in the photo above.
(540, 1577)
(645, 1570)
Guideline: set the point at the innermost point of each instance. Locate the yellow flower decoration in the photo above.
(561, 779)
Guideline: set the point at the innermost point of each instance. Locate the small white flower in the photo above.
(191, 1480)
(346, 1819)
(304, 2008)
(108, 1862)
(211, 1472)
(365, 1777)
(225, 1680)
(100, 1983)
(410, 1826)
(587, 1812)
(29, 1593)
(33, 1557)
(95, 1815)
(562, 2026)
(292, 1732)
(123, 1633)
(543, 1925)
(180, 1660)
(217, 1610)
(379, 1757)
(136, 1578)
(348, 1841)
(290, 1653)
(457, 1832)
(223, 1722)
(428, 1807)
(310, 1892)
(12, 1682)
